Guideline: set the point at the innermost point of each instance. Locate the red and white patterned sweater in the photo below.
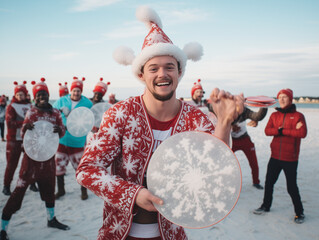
(125, 140)
(14, 118)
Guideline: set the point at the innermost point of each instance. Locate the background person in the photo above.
(242, 141)
(42, 172)
(15, 113)
(99, 91)
(3, 105)
(70, 148)
(287, 126)
(63, 89)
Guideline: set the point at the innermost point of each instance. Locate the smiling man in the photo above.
(132, 129)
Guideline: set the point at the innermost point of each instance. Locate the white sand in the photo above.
(85, 217)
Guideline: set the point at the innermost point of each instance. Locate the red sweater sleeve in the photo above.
(11, 117)
(271, 128)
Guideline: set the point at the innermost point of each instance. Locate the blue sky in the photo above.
(251, 46)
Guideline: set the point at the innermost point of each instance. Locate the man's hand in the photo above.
(145, 200)
(57, 129)
(299, 125)
(226, 106)
(235, 128)
(28, 126)
(252, 123)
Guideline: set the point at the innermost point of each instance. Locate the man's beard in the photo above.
(163, 98)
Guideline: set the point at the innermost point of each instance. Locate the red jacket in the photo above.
(125, 141)
(14, 118)
(286, 146)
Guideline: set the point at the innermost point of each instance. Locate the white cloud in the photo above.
(88, 5)
(187, 15)
(131, 29)
(64, 56)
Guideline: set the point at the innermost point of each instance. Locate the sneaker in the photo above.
(300, 218)
(4, 235)
(54, 223)
(6, 190)
(258, 186)
(34, 188)
(260, 211)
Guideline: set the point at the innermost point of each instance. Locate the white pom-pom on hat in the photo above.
(124, 55)
(193, 51)
(147, 15)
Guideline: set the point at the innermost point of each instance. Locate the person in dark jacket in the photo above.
(287, 126)
(241, 140)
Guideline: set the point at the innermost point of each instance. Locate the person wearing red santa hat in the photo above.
(287, 126)
(15, 113)
(197, 94)
(99, 91)
(42, 172)
(112, 99)
(131, 130)
(63, 89)
(70, 147)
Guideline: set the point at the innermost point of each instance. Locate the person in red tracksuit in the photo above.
(42, 172)
(287, 126)
(242, 141)
(15, 113)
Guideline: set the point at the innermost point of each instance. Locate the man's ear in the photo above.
(140, 76)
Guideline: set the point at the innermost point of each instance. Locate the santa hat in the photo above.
(20, 87)
(39, 87)
(63, 89)
(286, 91)
(77, 83)
(101, 87)
(156, 43)
(196, 86)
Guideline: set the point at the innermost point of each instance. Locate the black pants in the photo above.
(290, 169)
(2, 129)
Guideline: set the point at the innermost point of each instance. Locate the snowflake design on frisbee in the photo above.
(80, 121)
(41, 143)
(197, 176)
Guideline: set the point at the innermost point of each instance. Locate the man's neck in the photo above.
(162, 110)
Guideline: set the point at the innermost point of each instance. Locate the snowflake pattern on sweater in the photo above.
(124, 142)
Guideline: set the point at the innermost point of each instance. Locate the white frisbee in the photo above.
(80, 121)
(98, 110)
(41, 143)
(197, 176)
